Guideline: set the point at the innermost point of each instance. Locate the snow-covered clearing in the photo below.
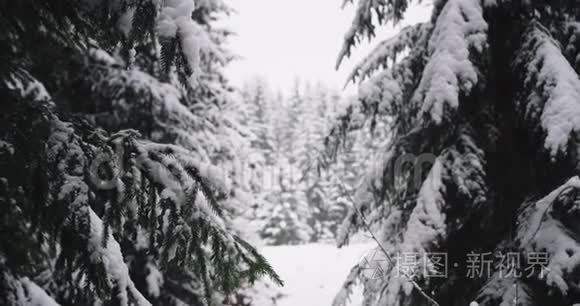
(314, 273)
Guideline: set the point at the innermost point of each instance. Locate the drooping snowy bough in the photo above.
(483, 105)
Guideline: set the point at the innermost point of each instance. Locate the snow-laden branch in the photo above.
(367, 12)
(385, 54)
(460, 30)
(552, 96)
(112, 259)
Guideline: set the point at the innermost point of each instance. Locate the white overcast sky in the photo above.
(281, 40)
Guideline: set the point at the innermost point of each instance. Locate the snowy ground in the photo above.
(314, 273)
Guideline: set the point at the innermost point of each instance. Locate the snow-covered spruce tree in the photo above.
(491, 89)
(92, 211)
(309, 131)
(258, 98)
(300, 201)
(286, 220)
(325, 195)
(281, 208)
(296, 208)
(347, 160)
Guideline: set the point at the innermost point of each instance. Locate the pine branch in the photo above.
(387, 255)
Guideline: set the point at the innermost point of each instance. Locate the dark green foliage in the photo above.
(91, 210)
(489, 90)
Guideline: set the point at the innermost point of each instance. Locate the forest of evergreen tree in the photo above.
(133, 173)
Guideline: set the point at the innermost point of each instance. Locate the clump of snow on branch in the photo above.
(154, 280)
(36, 296)
(555, 94)
(112, 258)
(125, 23)
(426, 225)
(174, 14)
(387, 89)
(6, 146)
(28, 87)
(102, 56)
(427, 220)
(175, 21)
(459, 29)
(544, 229)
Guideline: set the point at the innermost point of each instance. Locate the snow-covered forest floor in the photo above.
(314, 273)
